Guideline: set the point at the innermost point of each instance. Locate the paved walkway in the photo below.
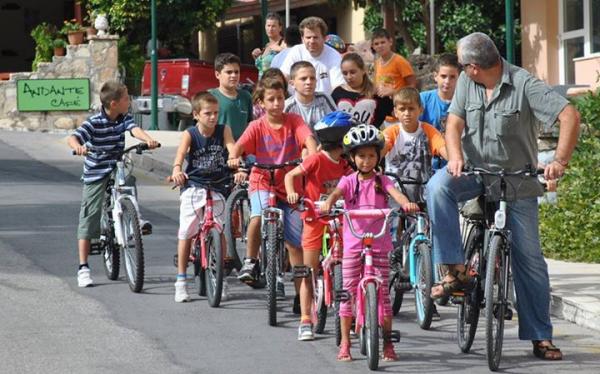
(575, 286)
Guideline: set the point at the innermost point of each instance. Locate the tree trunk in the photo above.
(409, 42)
(387, 10)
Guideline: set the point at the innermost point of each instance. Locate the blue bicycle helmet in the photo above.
(335, 42)
(333, 127)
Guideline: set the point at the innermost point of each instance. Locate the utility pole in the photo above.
(510, 32)
(154, 70)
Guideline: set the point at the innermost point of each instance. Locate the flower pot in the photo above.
(59, 51)
(90, 31)
(75, 37)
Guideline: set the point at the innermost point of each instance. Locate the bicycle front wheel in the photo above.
(319, 304)
(423, 301)
(467, 316)
(134, 250)
(338, 285)
(199, 273)
(237, 217)
(271, 248)
(495, 303)
(372, 327)
(110, 253)
(214, 270)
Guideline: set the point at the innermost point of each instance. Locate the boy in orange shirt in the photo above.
(392, 71)
(322, 171)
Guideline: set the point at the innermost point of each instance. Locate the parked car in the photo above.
(178, 80)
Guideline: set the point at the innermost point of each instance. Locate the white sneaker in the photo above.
(225, 291)
(181, 294)
(83, 278)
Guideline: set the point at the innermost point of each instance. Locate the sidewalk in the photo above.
(575, 286)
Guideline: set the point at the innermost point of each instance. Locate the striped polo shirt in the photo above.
(99, 134)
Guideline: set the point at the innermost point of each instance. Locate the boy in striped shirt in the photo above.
(103, 131)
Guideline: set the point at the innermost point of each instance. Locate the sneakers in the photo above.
(146, 227)
(225, 290)
(246, 273)
(279, 289)
(305, 332)
(83, 277)
(181, 294)
(296, 307)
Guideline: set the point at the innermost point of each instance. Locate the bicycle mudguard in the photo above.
(411, 255)
(301, 271)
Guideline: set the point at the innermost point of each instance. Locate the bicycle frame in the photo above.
(208, 223)
(421, 236)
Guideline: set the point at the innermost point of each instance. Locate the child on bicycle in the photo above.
(103, 131)
(205, 147)
(274, 138)
(365, 188)
(322, 172)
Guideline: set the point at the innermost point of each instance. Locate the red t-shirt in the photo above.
(271, 146)
(322, 174)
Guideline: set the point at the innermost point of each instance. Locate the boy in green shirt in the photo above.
(235, 105)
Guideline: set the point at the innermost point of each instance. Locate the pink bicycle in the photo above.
(369, 292)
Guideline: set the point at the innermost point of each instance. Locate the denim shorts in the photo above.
(292, 223)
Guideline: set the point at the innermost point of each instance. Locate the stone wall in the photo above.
(96, 60)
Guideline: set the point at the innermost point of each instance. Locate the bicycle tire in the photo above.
(199, 275)
(423, 301)
(467, 316)
(495, 307)
(372, 327)
(214, 270)
(236, 202)
(271, 244)
(319, 304)
(395, 296)
(110, 253)
(133, 252)
(338, 285)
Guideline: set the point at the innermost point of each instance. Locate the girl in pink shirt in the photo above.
(365, 189)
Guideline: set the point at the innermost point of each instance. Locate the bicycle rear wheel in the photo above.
(338, 285)
(271, 248)
(110, 253)
(372, 327)
(237, 217)
(423, 301)
(214, 270)
(134, 250)
(495, 303)
(467, 316)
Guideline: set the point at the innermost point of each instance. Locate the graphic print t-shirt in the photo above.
(371, 111)
(274, 146)
(322, 174)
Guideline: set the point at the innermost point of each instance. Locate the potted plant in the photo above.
(59, 45)
(73, 31)
(89, 20)
(43, 35)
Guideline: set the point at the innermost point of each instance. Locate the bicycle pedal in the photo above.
(403, 286)
(175, 260)
(508, 314)
(342, 296)
(393, 336)
(228, 263)
(96, 247)
(457, 300)
(95, 251)
(301, 271)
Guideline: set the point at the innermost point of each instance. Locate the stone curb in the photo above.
(582, 310)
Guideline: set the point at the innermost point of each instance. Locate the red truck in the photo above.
(178, 80)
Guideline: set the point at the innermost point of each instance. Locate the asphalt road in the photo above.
(48, 324)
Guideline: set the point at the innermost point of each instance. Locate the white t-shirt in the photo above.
(327, 66)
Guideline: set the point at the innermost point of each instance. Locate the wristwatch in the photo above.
(561, 161)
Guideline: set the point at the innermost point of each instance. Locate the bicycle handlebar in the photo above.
(404, 181)
(246, 165)
(311, 208)
(370, 213)
(139, 148)
(527, 171)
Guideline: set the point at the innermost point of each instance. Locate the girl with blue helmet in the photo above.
(321, 171)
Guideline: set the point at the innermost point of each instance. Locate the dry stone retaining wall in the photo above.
(96, 60)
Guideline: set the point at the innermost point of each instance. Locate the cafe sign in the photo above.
(42, 95)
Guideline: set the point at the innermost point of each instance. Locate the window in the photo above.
(573, 49)
(573, 15)
(595, 26)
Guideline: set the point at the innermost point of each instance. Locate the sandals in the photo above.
(388, 352)
(546, 351)
(344, 353)
(460, 282)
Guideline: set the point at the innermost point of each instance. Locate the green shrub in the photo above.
(570, 230)
(43, 35)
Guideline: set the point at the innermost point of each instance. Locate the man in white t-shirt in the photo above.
(313, 49)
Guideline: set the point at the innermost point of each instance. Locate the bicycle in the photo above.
(369, 313)
(272, 253)
(326, 280)
(120, 223)
(206, 252)
(488, 253)
(413, 257)
(237, 217)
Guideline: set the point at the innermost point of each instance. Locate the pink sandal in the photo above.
(388, 352)
(344, 353)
